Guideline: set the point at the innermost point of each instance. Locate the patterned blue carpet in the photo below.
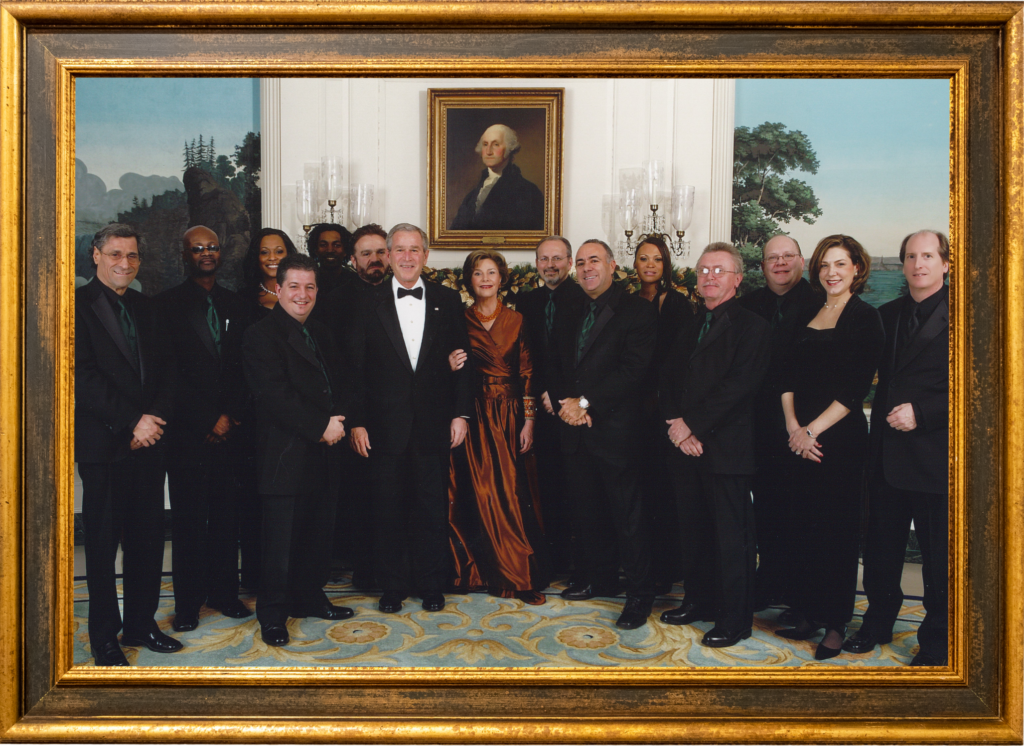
(478, 630)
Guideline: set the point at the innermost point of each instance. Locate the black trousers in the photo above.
(123, 503)
(890, 511)
(609, 514)
(554, 492)
(660, 503)
(204, 518)
(772, 488)
(716, 527)
(410, 512)
(298, 530)
(353, 530)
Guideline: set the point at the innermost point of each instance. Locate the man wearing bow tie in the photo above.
(410, 410)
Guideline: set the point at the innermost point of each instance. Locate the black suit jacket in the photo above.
(713, 384)
(532, 305)
(292, 399)
(400, 407)
(113, 388)
(919, 459)
(610, 372)
(513, 204)
(207, 382)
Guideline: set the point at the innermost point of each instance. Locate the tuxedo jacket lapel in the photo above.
(101, 306)
(298, 343)
(606, 315)
(198, 321)
(431, 317)
(718, 327)
(388, 315)
(935, 325)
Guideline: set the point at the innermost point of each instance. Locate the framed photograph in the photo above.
(976, 47)
(494, 164)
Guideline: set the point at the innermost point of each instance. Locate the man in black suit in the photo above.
(410, 410)
(123, 398)
(503, 200)
(540, 308)
(788, 304)
(602, 353)
(204, 322)
(328, 243)
(710, 381)
(910, 454)
(293, 368)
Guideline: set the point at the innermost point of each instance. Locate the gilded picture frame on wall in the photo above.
(977, 47)
(494, 166)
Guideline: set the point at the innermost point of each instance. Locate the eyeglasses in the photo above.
(716, 271)
(776, 259)
(117, 256)
(214, 249)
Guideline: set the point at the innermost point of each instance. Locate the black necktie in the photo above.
(311, 344)
(707, 325)
(213, 321)
(416, 293)
(128, 328)
(588, 324)
(910, 327)
(549, 314)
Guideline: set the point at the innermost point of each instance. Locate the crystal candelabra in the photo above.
(638, 187)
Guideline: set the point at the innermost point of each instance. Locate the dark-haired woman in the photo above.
(495, 495)
(259, 273)
(830, 370)
(653, 265)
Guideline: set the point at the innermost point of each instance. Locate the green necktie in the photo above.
(777, 316)
(588, 324)
(549, 313)
(311, 344)
(707, 325)
(128, 328)
(213, 321)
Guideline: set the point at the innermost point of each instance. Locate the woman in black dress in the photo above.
(259, 273)
(831, 366)
(653, 265)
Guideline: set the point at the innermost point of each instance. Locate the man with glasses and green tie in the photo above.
(709, 382)
(787, 303)
(203, 323)
(122, 403)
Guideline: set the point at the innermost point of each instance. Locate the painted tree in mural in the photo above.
(763, 198)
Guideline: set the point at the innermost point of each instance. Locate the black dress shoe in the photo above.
(232, 608)
(274, 634)
(687, 613)
(634, 613)
(185, 621)
(154, 639)
(433, 602)
(391, 603)
(327, 610)
(823, 652)
(109, 654)
(864, 641)
(719, 637)
(586, 592)
(923, 659)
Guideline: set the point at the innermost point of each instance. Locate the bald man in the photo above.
(502, 199)
(203, 324)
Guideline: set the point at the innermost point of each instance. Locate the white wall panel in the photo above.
(380, 127)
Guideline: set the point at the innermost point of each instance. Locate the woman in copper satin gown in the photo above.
(496, 531)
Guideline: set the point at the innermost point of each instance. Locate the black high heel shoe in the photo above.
(823, 652)
(803, 631)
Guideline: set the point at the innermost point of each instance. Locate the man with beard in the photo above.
(540, 309)
(203, 323)
(329, 243)
(503, 199)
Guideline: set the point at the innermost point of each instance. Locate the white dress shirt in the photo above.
(485, 188)
(411, 316)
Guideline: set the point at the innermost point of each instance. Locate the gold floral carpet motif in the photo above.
(478, 630)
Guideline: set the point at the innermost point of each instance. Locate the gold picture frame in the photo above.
(976, 46)
(456, 120)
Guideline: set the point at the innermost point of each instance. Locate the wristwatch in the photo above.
(584, 404)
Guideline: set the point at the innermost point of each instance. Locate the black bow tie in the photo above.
(416, 293)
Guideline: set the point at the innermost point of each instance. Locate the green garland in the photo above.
(524, 277)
